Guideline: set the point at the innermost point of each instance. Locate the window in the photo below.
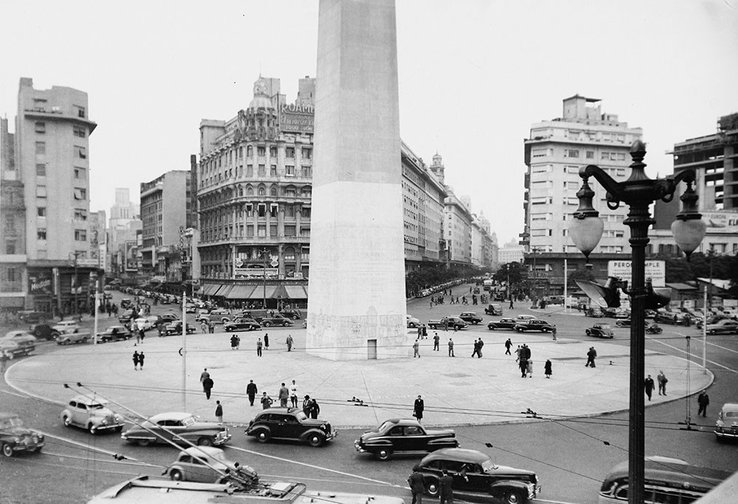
(249, 231)
(273, 170)
(40, 169)
(305, 212)
(249, 210)
(604, 155)
(261, 209)
(41, 233)
(40, 147)
(290, 151)
(249, 170)
(272, 152)
(307, 171)
(261, 230)
(40, 127)
(572, 153)
(80, 111)
(80, 214)
(273, 231)
(590, 154)
(80, 235)
(79, 173)
(79, 131)
(80, 193)
(80, 152)
(41, 191)
(41, 211)
(273, 191)
(289, 170)
(261, 151)
(273, 209)
(538, 153)
(10, 249)
(249, 151)
(262, 170)
(307, 153)
(290, 231)
(542, 169)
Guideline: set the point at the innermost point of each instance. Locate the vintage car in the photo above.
(44, 331)
(91, 414)
(75, 337)
(176, 328)
(403, 435)
(724, 326)
(147, 323)
(412, 322)
(16, 343)
(276, 320)
(470, 317)
(447, 323)
(175, 426)
(200, 464)
(600, 331)
(14, 437)
(290, 424)
(726, 426)
(533, 325)
(670, 317)
(291, 313)
(504, 323)
(217, 316)
(242, 324)
(494, 309)
(475, 476)
(67, 326)
(125, 316)
(114, 333)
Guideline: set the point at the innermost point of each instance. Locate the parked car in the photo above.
(90, 414)
(75, 337)
(67, 326)
(33, 317)
(291, 313)
(125, 316)
(44, 331)
(504, 323)
(14, 437)
(403, 435)
(242, 324)
(726, 426)
(11, 349)
(168, 317)
(147, 323)
(290, 424)
(724, 326)
(18, 336)
(218, 316)
(114, 333)
(190, 308)
(533, 325)
(470, 318)
(190, 466)
(276, 321)
(475, 475)
(494, 309)
(449, 322)
(176, 328)
(412, 322)
(670, 317)
(601, 331)
(175, 426)
(524, 317)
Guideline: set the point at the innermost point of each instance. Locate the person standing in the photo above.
(258, 347)
(547, 368)
(314, 408)
(251, 392)
(293, 394)
(703, 400)
(141, 358)
(219, 412)
(289, 342)
(436, 342)
(523, 363)
(511, 303)
(284, 394)
(649, 386)
(446, 490)
(451, 348)
(479, 350)
(476, 348)
(661, 379)
(591, 354)
(553, 333)
(307, 405)
(135, 360)
(204, 375)
(416, 349)
(417, 486)
(207, 386)
(266, 401)
(234, 342)
(266, 341)
(418, 408)
(508, 345)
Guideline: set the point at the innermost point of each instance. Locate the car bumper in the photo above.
(331, 435)
(359, 448)
(28, 445)
(727, 433)
(107, 427)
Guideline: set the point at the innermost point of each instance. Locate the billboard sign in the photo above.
(40, 284)
(655, 270)
(296, 118)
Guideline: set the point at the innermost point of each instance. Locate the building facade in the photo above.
(457, 230)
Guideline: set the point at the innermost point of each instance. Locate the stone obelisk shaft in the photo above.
(356, 301)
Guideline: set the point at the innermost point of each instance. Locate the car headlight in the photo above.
(104, 421)
(17, 439)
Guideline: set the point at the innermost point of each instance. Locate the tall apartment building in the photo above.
(457, 230)
(554, 153)
(165, 205)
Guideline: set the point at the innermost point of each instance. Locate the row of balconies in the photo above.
(260, 240)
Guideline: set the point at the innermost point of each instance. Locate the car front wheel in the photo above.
(431, 487)
(262, 436)
(383, 454)
(315, 440)
(92, 429)
(176, 475)
(205, 441)
(267, 324)
(514, 496)
(7, 450)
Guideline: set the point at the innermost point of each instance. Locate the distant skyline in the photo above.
(474, 76)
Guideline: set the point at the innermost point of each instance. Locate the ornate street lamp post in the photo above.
(638, 192)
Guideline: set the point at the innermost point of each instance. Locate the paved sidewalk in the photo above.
(457, 391)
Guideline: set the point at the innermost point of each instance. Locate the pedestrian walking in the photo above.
(266, 341)
(266, 401)
(418, 408)
(661, 379)
(508, 345)
(235, 340)
(293, 394)
(425, 331)
(416, 349)
(451, 348)
(553, 333)
(511, 304)
(134, 330)
(703, 400)
(204, 375)
(591, 355)
(251, 392)
(547, 368)
(417, 486)
(446, 488)
(436, 342)
(283, 395)
(648, 385)
(476, 348)
(219, 412)
(258, 347)
(479, 350)
(135, 360)
(141, 358)
(289, 342)
(523, 367)
(207, 386)
(204, 327)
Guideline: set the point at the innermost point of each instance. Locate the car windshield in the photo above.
(605, 326)
(386, 424)
(488, 466)
(301, 416)
(95, 406)
(8, 423)
(188, 421)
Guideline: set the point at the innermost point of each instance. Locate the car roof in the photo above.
(282, 411)
(6, 414)
(12, 334)
(458, 455)
(88, 400)
(171, 415)
(198, 451)
(730, 407)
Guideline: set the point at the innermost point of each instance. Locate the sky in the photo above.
(474, 75)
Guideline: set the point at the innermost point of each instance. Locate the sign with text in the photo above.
(296, 118)
(40, 284)
(655, 270)
(255, 272)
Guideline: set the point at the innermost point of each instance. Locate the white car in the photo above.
(411, 321)
(67, 326)
(146, 323)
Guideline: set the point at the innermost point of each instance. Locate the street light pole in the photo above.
(638, 192)
(264, 256)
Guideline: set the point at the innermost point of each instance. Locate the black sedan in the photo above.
(533, 325)
(725, 326)
(403, 435)
(114, 333)
(276, 321)
(601, 331)
(505, 323)
(242, 324)
(174, 427)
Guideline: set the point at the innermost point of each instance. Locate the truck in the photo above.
(447, 323)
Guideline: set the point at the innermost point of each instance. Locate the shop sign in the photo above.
(40, 284)
(655, 270)
(296, 118)
(256, 272)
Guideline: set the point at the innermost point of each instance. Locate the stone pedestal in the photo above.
(356, 299)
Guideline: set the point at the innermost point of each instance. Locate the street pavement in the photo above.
(456, 391)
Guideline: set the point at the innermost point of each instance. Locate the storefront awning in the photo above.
(207, 289)
(295, 292)
(224, 290)
(240, 292)
(259, 292)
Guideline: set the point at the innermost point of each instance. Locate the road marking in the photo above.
(691, 354)
(313, 466)
(88, 447)
(22, 396)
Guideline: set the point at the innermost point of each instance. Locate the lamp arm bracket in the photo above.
(614, 189)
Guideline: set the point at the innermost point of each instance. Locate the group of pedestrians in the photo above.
(649, 385)
(523, 356)
(138, 360)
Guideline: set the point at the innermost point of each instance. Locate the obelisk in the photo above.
(356, 298)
